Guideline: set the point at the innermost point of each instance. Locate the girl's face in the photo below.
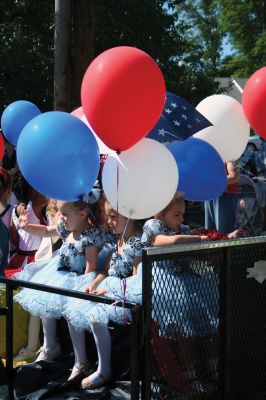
(114, 220)
(72, 217)
(174, 217)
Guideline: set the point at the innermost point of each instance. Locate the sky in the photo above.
(227, 48)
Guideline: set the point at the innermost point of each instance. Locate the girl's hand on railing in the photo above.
(90, 288)
(238, 233)
(204, 237)
(99, 292)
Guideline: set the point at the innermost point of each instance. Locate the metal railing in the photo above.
(201, 330)
(136, 309)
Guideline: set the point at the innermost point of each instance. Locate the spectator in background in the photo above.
(260, 158)
(248, 163)
(220, 213)
(4, 242)
(9, 162)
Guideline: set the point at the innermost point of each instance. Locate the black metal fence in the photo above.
(201, 332)
(205, 320)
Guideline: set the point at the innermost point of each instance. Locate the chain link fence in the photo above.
(205, 320)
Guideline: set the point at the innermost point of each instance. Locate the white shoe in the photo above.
(25, 354)
(46, 354)
(78, 370)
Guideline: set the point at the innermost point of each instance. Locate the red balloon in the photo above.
(122, 95)
(2, 146)
(254, 101)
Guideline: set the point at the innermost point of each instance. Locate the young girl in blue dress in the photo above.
(81, 241)
(121, 280)
(180, 311)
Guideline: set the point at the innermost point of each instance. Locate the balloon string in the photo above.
(123, 288)
(94, 218)
(117, 185)
(124, 232)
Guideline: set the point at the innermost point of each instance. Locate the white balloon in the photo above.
(140, 181)
(230, 131)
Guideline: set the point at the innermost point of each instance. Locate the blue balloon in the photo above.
(202, 174)
(15, 117)
(59, 156)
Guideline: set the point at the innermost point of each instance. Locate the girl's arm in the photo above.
(99, 278)
(39, 230)
(136, 262)
(91, 254)
(163, 240)
(233, 173)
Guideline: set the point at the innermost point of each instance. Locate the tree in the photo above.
(245, 23)
(203, 40)
(62, 51)
(73, 50)
(146, 24)
(26, 51)
(153, 26)
(203, 34)
(27, 45)
(82, 45)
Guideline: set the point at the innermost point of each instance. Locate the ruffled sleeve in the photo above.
(61, 230)
(132, 249)
(109, 241)
(135, 245)
(92, 237)
(151, 229)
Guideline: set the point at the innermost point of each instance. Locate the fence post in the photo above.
(9, 339)
(136, 373)
(147, 304)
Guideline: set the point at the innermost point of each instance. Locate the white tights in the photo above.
(33, 333)
(79, 345)
(102, 339)
(49, 332)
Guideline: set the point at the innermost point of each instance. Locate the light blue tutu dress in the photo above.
(62, 271)
(120, 285)
(184, 302)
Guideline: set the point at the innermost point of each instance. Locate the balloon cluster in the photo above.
(122, 95)
(124, 111)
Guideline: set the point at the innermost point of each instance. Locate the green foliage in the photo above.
(153, 26)
(26, 31)
(203, 34)
(245, 22)
(169, 30)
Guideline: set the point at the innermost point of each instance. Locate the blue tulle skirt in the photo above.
(41, 303)
(80, 313)
(185, 304)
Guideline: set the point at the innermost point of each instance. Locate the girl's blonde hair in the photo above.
(138, 224)
(93, 210)
(78, 204)
(178, 198)
(52, 207)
